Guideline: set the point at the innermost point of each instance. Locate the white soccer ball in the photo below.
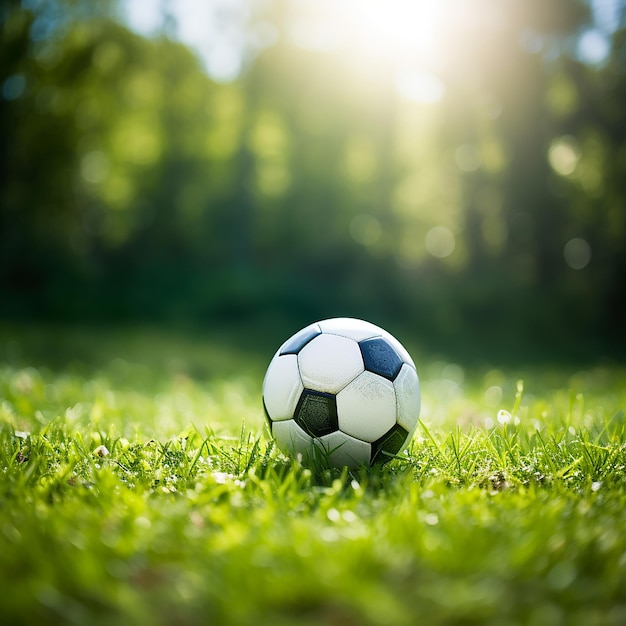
(342, 392)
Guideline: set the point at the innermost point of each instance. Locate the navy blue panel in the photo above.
(389, 444)
(380, 357)
(300, 339)
(316, 413)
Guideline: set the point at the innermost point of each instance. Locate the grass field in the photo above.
(138, 487)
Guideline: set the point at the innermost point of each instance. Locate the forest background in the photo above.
(461, 178)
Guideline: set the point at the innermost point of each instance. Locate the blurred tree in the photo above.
(477, 193)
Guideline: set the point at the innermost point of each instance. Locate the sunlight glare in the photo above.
(402, 40)
(400, 32)
(399, 29)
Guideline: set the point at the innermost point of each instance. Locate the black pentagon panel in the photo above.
(300, 339)
(316, 413)
(389, 444)
(380, 357)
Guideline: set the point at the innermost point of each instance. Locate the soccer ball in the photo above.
(342, 392)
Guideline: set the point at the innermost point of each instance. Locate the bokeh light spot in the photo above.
(467, 158)
(440, 241)
(94, 166)
(453, 372)
(564, 155)
(593, 46)
(13, 87)
(531, 40)
(493, 396)
(562, 95)
(577, 253)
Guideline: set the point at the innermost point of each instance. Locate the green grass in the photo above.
(137, 487)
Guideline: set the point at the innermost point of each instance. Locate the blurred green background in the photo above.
(453, 169)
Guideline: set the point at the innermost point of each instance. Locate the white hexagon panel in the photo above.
(408, 398)
(350, 327)
(294, 344)
(282, 387)
(292, 440)
(342, 450)
(366, 408)
(329, 362)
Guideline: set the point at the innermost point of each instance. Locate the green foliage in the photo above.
(140, 490)
(133, 185)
